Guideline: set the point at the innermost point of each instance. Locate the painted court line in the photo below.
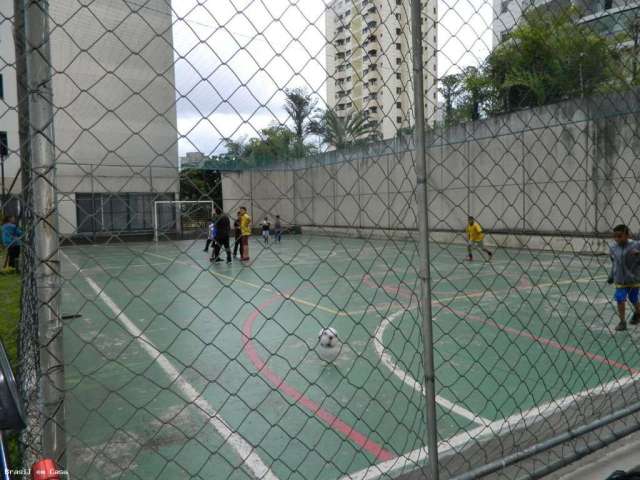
(249, 284)
(458, 443)
(388, 361)
(519, 289)
(243, 449)
(300, 398)
(542, 340)
(510, 330)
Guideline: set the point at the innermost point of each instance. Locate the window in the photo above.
(1, 87)
(399, 119)
(608, 4)
(4, 145)
(122, 212)
(399, 104)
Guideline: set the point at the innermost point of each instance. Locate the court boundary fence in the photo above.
(42, 370)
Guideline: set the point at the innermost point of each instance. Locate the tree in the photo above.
(343, 131)
(450, 87)
(478, 94)
(203, 182)
(550, 57)
(300, 106)
(273, 144)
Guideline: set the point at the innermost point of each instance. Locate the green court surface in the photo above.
(177, 368)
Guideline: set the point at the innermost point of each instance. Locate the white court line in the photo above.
(457, 443)
(407, 379)
(243, 449)
(250, 284)
(115, 267)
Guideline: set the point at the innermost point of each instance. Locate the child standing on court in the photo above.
(11, 234)
(266, 229)
(278, 229)
(223, 229)
(625, 273)
(245, 233)
(211, 234)
(237, 234)
(475, 239)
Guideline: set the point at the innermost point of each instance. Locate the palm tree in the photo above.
(341, 132)
(300, 105)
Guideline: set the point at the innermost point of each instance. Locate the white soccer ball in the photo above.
(328, 344)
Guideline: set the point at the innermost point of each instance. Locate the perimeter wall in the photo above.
(557, 176)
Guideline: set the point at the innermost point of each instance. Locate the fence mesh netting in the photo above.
(321, 239)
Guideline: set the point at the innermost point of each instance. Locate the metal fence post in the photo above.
(45, 225)
(423, 242)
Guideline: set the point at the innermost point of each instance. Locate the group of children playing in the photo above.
(219, 234)
(625, 268)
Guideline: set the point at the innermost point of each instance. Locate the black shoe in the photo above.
(621, 327)
(218, 260)
(635, 319)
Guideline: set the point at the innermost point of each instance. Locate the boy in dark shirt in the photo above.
(223, 229)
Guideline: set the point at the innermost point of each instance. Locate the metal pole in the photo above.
(45, 225)
(423, 244)
(571, 434)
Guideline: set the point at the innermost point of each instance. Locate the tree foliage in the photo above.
(300, 106)
(348, 130)
(549, 57)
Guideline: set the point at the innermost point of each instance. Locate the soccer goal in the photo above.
(180, 216)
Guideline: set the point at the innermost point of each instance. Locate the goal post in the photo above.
(191, 213)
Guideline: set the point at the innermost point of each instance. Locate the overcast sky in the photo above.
(234, 58)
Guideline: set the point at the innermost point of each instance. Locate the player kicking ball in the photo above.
(475, 239)
(625, 274)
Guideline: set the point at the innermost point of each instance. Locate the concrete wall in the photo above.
(115, 117)
(114, 99)
(557, 176)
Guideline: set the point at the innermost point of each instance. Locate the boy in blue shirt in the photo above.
(11, 234)
(625, 274)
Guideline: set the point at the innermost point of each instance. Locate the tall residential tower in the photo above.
(369, 61)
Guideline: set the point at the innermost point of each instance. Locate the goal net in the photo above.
(181, 217)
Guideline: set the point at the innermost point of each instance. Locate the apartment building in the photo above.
(114, 112)
(370, 61)
(607, 17)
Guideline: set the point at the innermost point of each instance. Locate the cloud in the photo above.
(234, 58)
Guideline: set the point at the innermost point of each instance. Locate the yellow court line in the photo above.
(531, 287)
(256, 286)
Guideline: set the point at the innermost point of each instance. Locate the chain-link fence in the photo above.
(405, 209)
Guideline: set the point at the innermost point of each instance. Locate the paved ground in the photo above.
(171, 355)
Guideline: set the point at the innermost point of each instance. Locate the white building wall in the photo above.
(9, 102)
(114, 99)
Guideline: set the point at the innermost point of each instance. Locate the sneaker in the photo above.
(229, 262)
(218, 260)
(469, 259)
(621, 327)
(635, 319)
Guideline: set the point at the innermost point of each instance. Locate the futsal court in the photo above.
(179, 368)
